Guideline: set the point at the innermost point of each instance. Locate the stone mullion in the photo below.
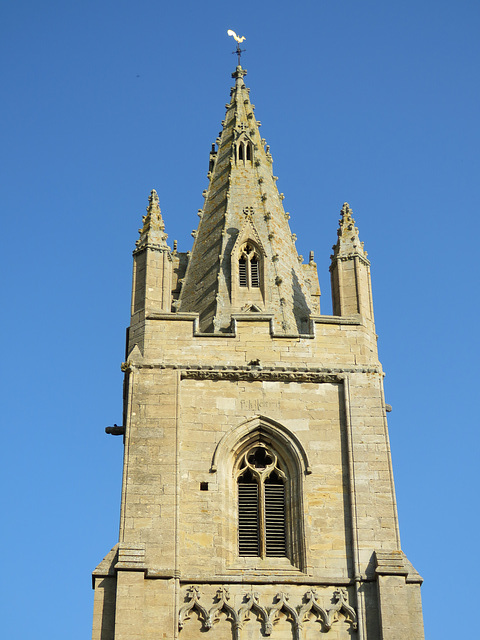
(261, 516)
(249, 272)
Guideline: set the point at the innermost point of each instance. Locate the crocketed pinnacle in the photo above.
(152, 233)
(348, 243)
(242, 204)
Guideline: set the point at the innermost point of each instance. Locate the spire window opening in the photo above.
(248, 267)
(243, 151)
(262, 530)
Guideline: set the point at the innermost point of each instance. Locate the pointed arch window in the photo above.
(263, 465)
(243, 151)
(262, 525)
(249, 267)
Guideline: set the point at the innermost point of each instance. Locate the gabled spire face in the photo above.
(153, 231)
(348, 243)
(242, 204)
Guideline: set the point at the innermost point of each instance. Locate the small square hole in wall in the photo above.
(203, 486)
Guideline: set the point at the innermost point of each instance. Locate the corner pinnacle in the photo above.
(152, 232)
(348, 242)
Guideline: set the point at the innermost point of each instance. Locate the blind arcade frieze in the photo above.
(309, 609)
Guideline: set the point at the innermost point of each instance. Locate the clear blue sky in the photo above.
(375, 103)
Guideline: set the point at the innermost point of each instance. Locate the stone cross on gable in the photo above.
(242, 126)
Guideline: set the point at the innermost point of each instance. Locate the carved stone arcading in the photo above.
(222, 604)
(251, 605)
(193, 595)
(282, 604)
(342, 606)
(330, 615)
(268, 616)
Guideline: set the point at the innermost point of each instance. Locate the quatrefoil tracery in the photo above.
(261, 462)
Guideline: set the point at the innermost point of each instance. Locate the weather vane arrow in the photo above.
(239, 40)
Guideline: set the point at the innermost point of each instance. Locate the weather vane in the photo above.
(238, 39)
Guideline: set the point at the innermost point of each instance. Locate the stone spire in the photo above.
(153, 231)
(350, 271)
(243, 224)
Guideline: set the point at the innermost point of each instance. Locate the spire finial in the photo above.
(153, 203)
(239, 40)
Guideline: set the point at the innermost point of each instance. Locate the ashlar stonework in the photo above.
(257, 495)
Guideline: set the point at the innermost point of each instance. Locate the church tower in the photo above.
(257, 495)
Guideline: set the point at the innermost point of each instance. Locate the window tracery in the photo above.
(291, 465)
(261, 482)
(248, 267)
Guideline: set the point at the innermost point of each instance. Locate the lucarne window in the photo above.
(261, 504)
(248, 267)
(243, 151)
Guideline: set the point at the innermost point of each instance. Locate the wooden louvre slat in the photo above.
(242, 272)
(275, 534)
(254, 273)
(248, 520)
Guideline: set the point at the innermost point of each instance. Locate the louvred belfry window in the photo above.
(254, 279)
(248, 267)
(242, 272)
(261, 505)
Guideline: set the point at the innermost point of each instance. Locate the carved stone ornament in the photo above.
(281, 374)
(268, 616)
(261, 375)
(222, 604)
(193, 593)
(328, 616)
(280, 605)
(251, 604)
